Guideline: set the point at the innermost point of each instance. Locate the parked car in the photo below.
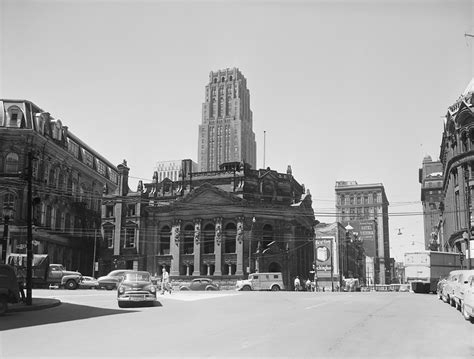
(87, 282)
(447, 292)
(200, 284)
(439, 287)
(9, 291)
(261, 281)
(467, 306)
(112, 280)
(136, 287)
(459, 287)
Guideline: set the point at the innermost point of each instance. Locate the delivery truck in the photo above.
(423, 269)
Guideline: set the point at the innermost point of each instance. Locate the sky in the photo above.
(344, 90)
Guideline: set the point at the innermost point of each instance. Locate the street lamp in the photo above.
(7, 215)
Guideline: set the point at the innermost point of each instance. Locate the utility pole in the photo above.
(467, 188)
(29, 239)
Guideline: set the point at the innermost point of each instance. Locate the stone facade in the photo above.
(226, 132)
(68, 178)
(457, 158)
(221, 224)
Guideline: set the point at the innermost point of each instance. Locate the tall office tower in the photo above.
(226, 134)
(431, 178)
(365, 208)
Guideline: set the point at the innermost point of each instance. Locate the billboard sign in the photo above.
(324, 256)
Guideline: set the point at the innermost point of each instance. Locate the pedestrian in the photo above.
(297, 284)
(165, 282)
(308, 285)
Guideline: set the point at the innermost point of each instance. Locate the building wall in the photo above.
(226, 132)
(457, 158)
(356, 203)
(172, 169)
(219, 224)
(68, 178)
(431, 179)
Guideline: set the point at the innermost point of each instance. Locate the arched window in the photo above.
(188, 247)
(15, 117)
(208, 238)
(230, 233)
(11, 163)
(165, 236)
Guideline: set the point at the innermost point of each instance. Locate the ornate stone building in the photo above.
(457, 158)
(68, 178)
(221, 224)
(365, 208)
(226, 132)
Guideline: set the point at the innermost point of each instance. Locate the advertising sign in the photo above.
(368, 234)
(324, 257)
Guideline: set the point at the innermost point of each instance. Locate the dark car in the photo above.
(200, 284)
(112, 280)
(136, 287)
(9, 290)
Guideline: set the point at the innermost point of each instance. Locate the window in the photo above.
(11, 163)
(109, 236)
(101, 167)
(73, 148)
(88, 159)
(165, 235)
(130, 210)
(109, 211)
(129, 237)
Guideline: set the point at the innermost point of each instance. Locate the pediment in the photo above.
(208, 194)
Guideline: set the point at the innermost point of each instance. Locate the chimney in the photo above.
(123, 171)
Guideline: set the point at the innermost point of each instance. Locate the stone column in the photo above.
(218, 247)
(197, 247)
(174, 247)
(239, 248)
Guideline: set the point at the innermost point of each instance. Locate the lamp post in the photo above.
(250, 245)
(7, 215)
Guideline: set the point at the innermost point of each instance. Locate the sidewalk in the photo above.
(37, 304)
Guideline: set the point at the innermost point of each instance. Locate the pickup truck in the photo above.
(45, 274)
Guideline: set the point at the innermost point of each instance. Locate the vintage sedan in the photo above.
(112, 280)
(87, 282)
(136, 287)
(200, 284)
(467, 306)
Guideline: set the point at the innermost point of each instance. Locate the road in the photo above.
(89, 323)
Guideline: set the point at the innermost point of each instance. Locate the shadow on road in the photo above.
(63, 313)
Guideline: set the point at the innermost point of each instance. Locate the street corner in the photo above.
(37, 304)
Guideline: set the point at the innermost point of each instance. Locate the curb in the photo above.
(37, 304)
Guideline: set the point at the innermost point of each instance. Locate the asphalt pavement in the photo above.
(229, 324)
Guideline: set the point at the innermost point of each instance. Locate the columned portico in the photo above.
(197, 247)
(218, 247)
(174, 250)
(239, 249)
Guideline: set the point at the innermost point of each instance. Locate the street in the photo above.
(89, 323)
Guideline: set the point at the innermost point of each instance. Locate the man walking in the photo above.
(165, 282)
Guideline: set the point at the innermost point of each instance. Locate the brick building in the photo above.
(68, 178)
(365, 208)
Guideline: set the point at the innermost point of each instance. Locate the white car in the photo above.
(459, 287)
(467, 306)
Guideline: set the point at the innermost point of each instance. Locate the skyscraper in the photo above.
(226, 133)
